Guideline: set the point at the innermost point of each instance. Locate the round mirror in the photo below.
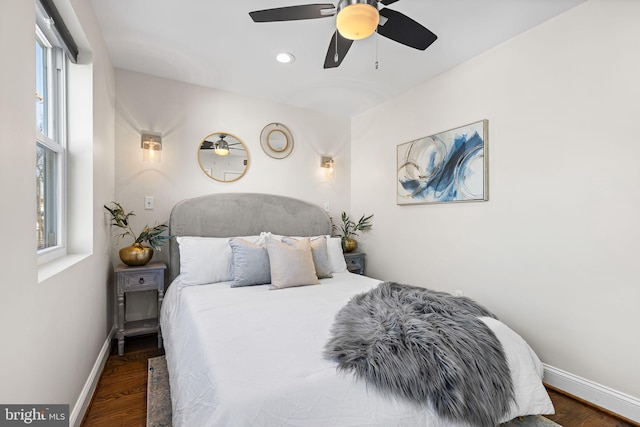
(223, 157)
(276, 140)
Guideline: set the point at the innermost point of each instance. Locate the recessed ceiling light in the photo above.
(285, 58)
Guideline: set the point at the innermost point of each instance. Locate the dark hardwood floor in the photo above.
(121, 396)
(571, 412)
(120, 399)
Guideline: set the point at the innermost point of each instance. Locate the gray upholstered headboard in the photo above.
(242, 214)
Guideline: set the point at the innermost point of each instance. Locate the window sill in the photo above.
(51, 268)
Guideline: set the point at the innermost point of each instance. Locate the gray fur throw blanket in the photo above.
(425, 346)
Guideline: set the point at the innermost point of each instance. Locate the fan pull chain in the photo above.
(335, 57)
(376, 48)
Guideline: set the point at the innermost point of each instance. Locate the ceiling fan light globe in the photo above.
(357, 20)
(221, 147)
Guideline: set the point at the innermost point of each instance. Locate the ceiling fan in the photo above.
(220, 147)
(355, 20)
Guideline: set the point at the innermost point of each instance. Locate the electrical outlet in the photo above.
(148, 202)
(458, 292)
(326, 207)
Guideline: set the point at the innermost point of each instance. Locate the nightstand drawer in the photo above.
(355, 262)
(135, 281)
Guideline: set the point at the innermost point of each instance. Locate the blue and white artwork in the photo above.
(450, 166)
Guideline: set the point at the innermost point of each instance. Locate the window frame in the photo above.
(54, 136)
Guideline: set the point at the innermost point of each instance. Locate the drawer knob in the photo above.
(141, 280)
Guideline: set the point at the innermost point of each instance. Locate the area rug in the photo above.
(158, 393)
(159, 400)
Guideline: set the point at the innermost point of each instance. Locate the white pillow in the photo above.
(291, 265)
(280, 237)
(206, 259)
(336, 257)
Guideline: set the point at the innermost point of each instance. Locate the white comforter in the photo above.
(252, 357)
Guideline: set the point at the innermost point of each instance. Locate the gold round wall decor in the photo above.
(276, 140)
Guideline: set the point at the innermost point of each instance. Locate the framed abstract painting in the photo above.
(450, 166)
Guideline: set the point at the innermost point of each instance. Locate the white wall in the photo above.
(554, 252)
(53, 329)
(185, 114)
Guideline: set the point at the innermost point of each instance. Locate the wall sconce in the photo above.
(151, 144)
(327, 163)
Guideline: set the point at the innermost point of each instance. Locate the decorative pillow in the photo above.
(204, 260)
(291, 265)
(280, 237)
(318, 252)
(336, 257)
(250, 263)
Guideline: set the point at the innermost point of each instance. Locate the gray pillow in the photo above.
(250, 263)
(291, 266)
(319, 253)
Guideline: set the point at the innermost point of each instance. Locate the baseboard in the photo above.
(80, 408)
(597, 394)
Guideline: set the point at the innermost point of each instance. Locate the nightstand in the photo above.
(149, 277)
(355, 262)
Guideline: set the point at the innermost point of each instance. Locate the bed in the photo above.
(257, 355)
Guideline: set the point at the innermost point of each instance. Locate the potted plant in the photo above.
(137, 253)
(350, 228)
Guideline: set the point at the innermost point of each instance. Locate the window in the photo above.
(50, 100)
(50, 152)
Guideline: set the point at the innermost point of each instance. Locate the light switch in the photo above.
(148, 202)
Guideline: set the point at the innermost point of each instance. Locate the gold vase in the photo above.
(349, 245)
(136, 254)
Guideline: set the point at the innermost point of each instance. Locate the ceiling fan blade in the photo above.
(404, 30)
(387, 2)
(294, 13)
(343, 48)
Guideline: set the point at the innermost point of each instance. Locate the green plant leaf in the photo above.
(350, 228)
(153, 236)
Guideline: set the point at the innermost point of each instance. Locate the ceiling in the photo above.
(215, 43)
